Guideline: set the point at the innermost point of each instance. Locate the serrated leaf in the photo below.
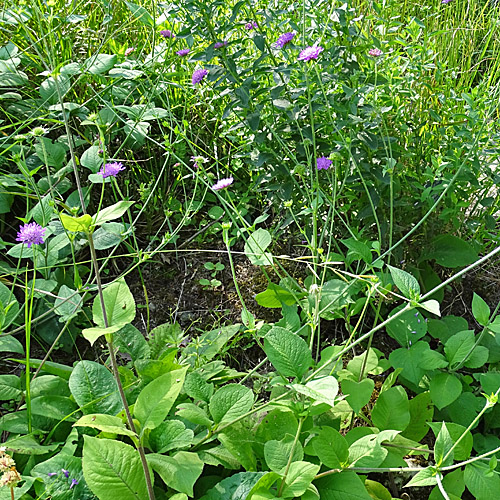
(170, 435)
(407, 284)
(230, 402)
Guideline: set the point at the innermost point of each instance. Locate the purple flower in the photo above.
(51, 474)
(65, 472)
(219, 45)
(375, 52)
(32, 234)
(445, 1)
(284, 39)
(323, 163)
(251, 26)
(129, 51)
(74, 482)
(167, 34)
(310, 53)
(182, 52)
(111, 169)
(198, 75)
(222, 184)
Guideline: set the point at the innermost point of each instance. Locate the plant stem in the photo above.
(290, 458)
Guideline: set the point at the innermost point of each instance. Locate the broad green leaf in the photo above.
(462, 450)
(238, 440)
(426, 477)
(391, 411)
(194, 414)
(377, 491)
(450, 251)
(344, 486)
(104, 423)
(156, 399)
(91, 159)
(421, 412)
(28, 445)
(112, 212)
(358, 394)
(407, 328)
(277, 453)
(287, 352)
(10, 307)
(367, 452)
(298, 479)
(432, 306)
(255, 247)
(444, 389)
(230, 401)
(130, 340)
(454, 485)
(209, 344)
(458, 347)
(442, 446)
(100, 63)
(54, 406)
(481, 482)
(10, 387)
(20, 491)
(108, 235)
(331, 448)
(94, 388)
(235, 487)
(407, 284)
(179, 471)
(68, 303)
(276, 424)
(119, 303)
(197, 387)
(49, 385)
(480, 310)
(113, 470)
(321, 390)
(49, 92)
(275, 296)
(170, 435)
(92, 334)
(76, 224)
(141, 14)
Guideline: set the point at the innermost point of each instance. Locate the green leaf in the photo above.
(275, 296)
(157, 398)
(238, 440)
(277, 453)
(367, 452)
(108, 235)
(49, 92)
(407, 284)
(91, 159)
(450, 251)
(113, 470)
(10, 387)
(9, 343)
(432, 306)
(331, 448)
(298, 479)
(170, 435)
(198, 388)
(421, 412)
(130, 340)
(104, 423)
(92, 334)
(179, 471)
(377, 491)
(480, 310)
(344, 486)
(458, 346)
(426, 477)
(68, 303)
(94, 388)
(287, 352)
(255, 247)
(442, 446)
(119, 303)
(358, 394)
(444, 389)
(28, 445)
(100, 63)
(236, 487)
(230, 402)
(391, 411)
(112, 212)
(463, 449)
(407, 328)
(453, 484)
(194, 414)
(141, 14)
(321, 390)
(54, 406)
(76, 224)
(481, 482)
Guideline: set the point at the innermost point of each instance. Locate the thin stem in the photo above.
(290, 458)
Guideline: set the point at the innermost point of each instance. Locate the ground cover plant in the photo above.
(333, 168)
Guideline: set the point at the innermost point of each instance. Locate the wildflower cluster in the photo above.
(65, 473)
(32, 234)
(111, 169)
(10, 476)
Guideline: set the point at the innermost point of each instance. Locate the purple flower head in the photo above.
(219, 45)
(322, 163)
(129, 51)
(445, 1)
(167, 34)
(111, 169)
(375, 52)
(32, 234)
(51, 474)
(251, 26)
(198, 75)
(65, 472)
(222, 184)
(182, 52)
(74, 482)
(310, 53)
(284, 39)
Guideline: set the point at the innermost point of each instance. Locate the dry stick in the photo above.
(97, 274)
